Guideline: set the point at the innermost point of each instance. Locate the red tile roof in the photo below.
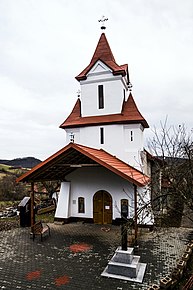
(129, 115)
(103, 52)
(73, 155)
(116, 165)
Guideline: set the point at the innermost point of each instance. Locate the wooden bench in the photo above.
(39, 229)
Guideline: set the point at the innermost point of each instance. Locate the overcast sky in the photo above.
(44, 44)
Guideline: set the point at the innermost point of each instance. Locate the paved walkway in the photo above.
(75, 255)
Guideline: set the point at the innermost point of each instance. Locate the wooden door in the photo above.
(102, 207)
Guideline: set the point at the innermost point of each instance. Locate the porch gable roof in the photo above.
(74, 156)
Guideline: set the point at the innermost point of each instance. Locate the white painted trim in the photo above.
(62, 210)
(112, 78)
(102, 64)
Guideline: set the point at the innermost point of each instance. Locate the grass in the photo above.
(3, 170)
(46, 217)
(14, 222)
(4, 167)
(10, 219)
(4, 204)
(7, 169)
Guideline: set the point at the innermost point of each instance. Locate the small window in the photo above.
(124, 94)
(131, 136)
(81, 208)
(101, 97)
(124, 208)
(102, 135)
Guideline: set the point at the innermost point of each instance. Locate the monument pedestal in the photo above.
(125, 265)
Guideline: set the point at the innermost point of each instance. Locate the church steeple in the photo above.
(105, 114)
(103, 53)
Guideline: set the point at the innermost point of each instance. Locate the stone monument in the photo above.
(125, 265)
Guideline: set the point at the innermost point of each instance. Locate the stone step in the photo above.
(127, 270)
(123, 256)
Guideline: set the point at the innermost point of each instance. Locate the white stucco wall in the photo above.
(98, 179)
(113, 98)
(117, 141)
(62, 210)
(113, 87)
(85, 182)
(117, 138)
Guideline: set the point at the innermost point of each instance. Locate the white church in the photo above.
(103, 168)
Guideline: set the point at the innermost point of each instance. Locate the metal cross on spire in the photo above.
(103, 19)
(130, 86)
(78, 93)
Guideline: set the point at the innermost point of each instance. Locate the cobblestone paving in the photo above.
(75, 255)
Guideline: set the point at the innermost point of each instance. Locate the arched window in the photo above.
(81, 207)
(124, 208)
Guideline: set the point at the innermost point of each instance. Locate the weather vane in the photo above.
(103, 19)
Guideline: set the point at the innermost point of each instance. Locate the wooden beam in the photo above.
(79, 165)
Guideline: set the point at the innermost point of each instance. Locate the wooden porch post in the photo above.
(32, 205)
(135, 211)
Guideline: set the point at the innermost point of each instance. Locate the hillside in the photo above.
(26, 162)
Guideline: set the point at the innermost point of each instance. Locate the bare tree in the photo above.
(171, 186)
(49, 187)
(10, 190)
(172, 173)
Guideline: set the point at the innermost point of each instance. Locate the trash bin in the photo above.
(25, 212)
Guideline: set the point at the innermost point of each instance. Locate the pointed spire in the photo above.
(131, 112)
(103, 51)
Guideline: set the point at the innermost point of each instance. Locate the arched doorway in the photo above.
(102, 207)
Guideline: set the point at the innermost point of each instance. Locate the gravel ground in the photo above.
(6, 225)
